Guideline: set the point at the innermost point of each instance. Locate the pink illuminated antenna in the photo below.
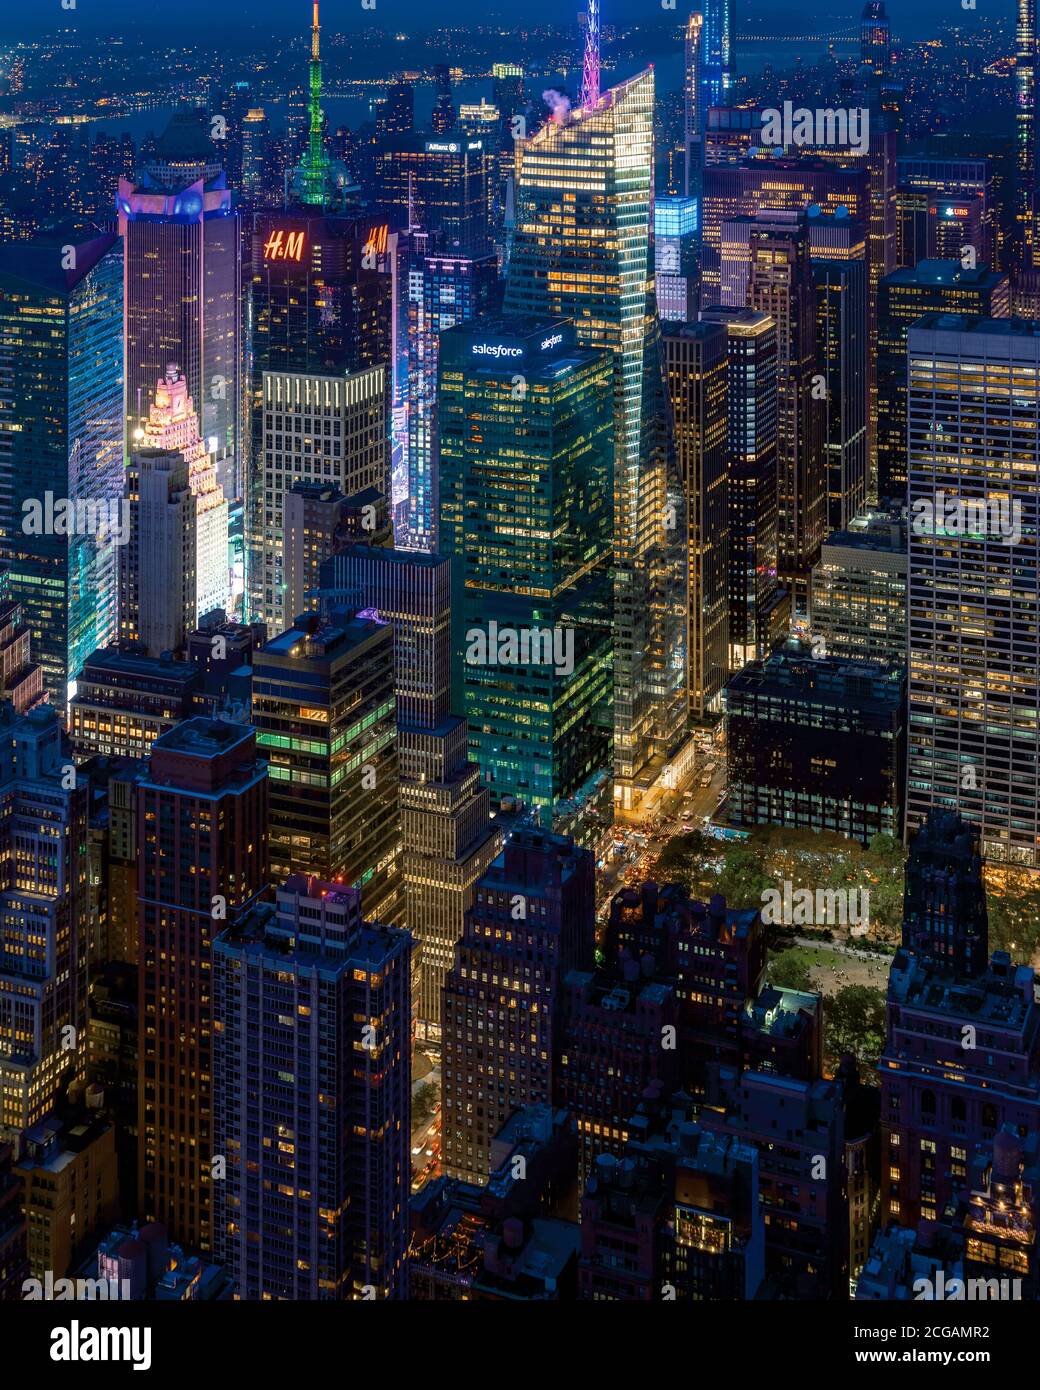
(590, 76)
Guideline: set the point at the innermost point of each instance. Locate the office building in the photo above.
(202, 830)
(314, 1204)
(173, 567)
(939, 196)
(604, 153)
(719, 49)
(442, 182)
(61, 442)
(317, 428)
(69, 1187)
(443, 291)
(676, 223)
(183, 270)
(817, 743)
(941, 1100)
(696, 367)
(838, 250)
(780, 284)
(875, 44)
(903, 298)
(44, 919)
(320, 301)
(448, 838)
(859, 590)
(325, 715)
(125, 699)
(759, 610)
(526, 523)
(318, 521)
(533, 921)
(972, 597)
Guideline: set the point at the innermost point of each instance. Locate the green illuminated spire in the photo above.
(314, 171)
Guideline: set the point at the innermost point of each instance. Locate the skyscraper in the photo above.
(446, 828)
(314, 1204)
(694, 106)
(525, 456)
(61, 441)
(173, 568)
(939, 1102)
(324, 711)
(676, 226)
(838, 252)
(317, 428)
(183, 267)
(581, 250)
(532, 922)
(719, 51)
(875, 43)
(44, 920)
(320, 309)
(974, 732)
(781, 285)
(759, 610)
(442, 291)
(696, 369)
(904, 297)
(202, 846)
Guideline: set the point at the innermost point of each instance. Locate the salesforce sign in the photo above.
(512, 350)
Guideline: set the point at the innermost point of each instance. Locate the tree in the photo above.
(788, 970)
(854, 1021)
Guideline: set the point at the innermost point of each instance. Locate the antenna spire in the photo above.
(590, 75)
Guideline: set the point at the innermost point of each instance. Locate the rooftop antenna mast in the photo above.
(590, 75)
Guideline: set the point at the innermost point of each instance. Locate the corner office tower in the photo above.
(582, 251)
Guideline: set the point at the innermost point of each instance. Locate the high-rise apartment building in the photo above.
(44, 919)
(202, 846)
(533, 921)
(173, 567)
(325, 714)
(974, 733)
(314, 1203)
(526, 522)
(61, 442)
(593, 167)
(904, 297)
(696, 366)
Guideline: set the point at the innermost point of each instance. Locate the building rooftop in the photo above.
(204, 738)
(936, 272)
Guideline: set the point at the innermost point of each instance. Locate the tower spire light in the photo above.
(590, 75)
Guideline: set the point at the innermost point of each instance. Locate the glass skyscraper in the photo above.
(61, 441)
(525, 438)
(582, 250)
(718, 50)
